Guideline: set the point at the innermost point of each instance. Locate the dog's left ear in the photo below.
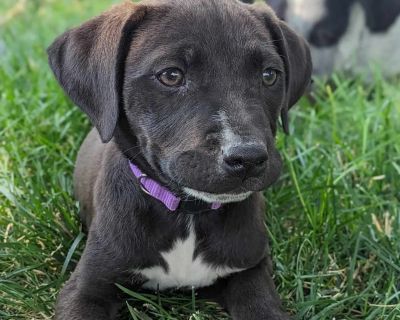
(88, 62)
(296, 56)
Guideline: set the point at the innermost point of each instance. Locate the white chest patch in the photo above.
(183, 270)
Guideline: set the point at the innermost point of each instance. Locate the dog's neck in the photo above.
(128, 144)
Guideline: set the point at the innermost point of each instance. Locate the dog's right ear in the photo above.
(297, 58)
(88, 62)
(295, 53)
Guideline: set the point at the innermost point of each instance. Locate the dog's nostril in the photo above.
(245, 160)
(235, 163)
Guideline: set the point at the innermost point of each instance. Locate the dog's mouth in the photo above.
(203, 179)
(220, 198)
(221, 191)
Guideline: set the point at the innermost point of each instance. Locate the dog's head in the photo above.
(200, 84)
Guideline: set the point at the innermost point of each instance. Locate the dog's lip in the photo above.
(240, 192)
(234, 196)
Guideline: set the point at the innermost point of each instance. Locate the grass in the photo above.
(333, 218)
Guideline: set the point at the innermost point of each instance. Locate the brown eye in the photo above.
(270, 76)
(171, 77)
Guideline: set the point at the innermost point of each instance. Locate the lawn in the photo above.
(333, 217)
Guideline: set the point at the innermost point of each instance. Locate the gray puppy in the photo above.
(184, 96)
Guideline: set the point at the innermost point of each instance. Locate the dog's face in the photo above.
(201, 85)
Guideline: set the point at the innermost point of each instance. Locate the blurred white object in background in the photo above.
(347, 35)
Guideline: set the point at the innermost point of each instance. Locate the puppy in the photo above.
(347, 35)
(185, 97)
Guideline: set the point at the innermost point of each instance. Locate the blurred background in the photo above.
(349, 36)
(333, 218)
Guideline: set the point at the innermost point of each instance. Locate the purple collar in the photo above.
(171, 201)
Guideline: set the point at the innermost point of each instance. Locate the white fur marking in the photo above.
(229, 138)
(221, 198)
(183, 271)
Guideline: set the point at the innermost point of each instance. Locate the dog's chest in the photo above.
(184, 270)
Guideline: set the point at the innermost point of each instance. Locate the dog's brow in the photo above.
(180, 51)
(266, 55)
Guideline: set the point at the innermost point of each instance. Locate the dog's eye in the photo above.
(270, 76)
(171, 77)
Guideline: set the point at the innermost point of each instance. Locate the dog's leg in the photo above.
(72, 304)
(91, 292)
(251, 295)
(78, 300)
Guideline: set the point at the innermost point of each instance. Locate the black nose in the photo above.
(248, 160)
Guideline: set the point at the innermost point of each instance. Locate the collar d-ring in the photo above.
(140, 178)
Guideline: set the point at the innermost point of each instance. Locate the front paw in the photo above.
(72, 305)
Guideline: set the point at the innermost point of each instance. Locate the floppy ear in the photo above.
(296, 56)
(298, 67)
(88, 62)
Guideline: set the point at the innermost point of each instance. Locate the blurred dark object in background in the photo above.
(347, 35)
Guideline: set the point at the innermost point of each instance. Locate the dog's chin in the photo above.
(241, 193)
(214, 197)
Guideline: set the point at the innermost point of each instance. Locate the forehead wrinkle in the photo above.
(180, 52)
(264, 47)
(223, 32)
(225, 43)
(267, 58)
(226, 24)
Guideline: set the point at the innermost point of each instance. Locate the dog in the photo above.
(348, 35)
(185, 98)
